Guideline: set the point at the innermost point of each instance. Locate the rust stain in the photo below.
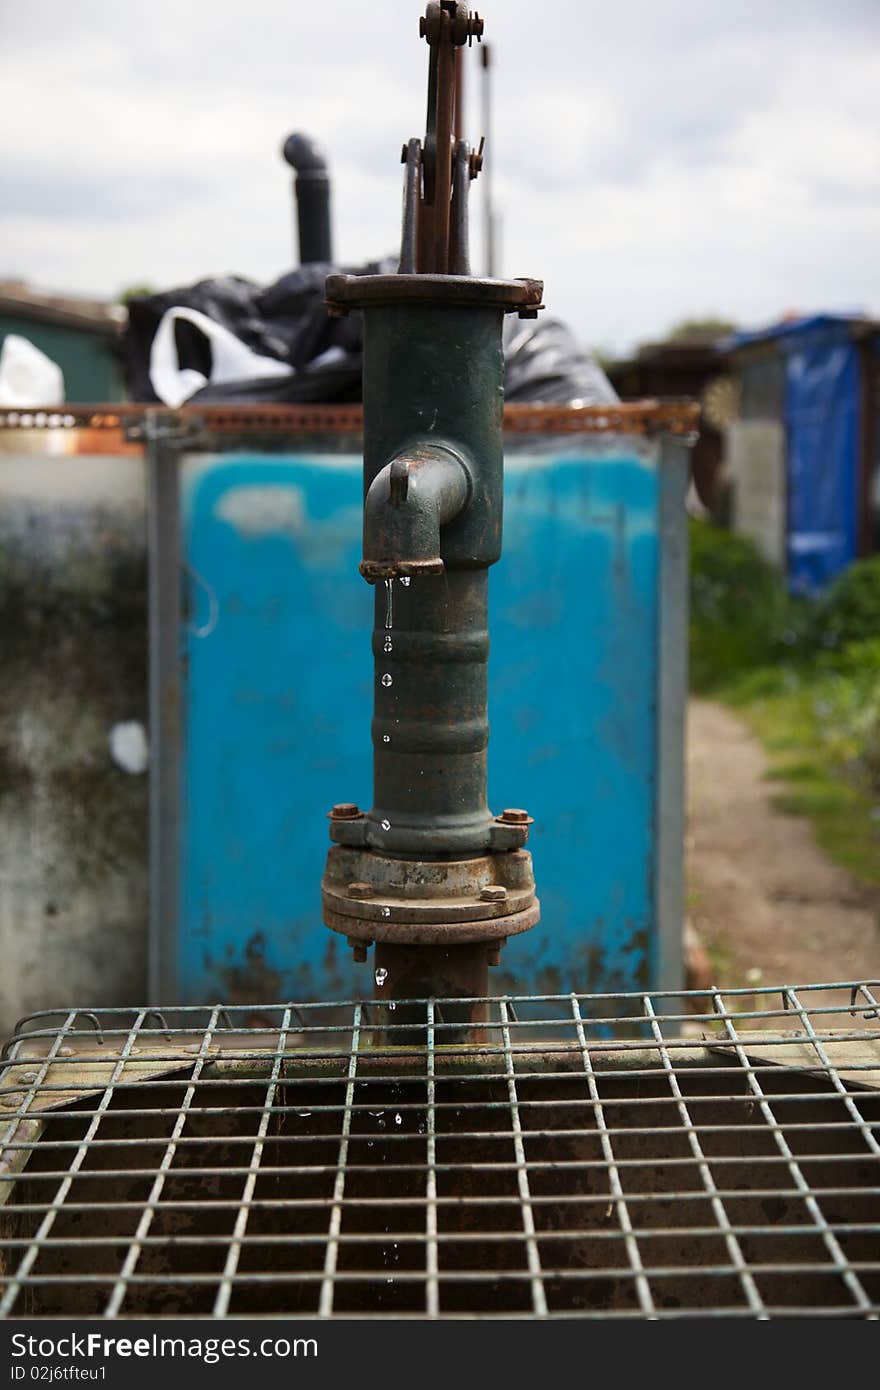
(250, 979)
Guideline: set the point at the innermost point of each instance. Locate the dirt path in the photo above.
(762, 895)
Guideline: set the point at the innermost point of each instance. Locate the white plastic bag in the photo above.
(231, 359)
(27, 375)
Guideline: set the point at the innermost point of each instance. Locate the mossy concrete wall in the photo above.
(73, 816)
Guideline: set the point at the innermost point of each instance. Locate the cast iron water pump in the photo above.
(429, 874)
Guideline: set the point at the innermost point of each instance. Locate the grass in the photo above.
(805, 676)
(812, 780)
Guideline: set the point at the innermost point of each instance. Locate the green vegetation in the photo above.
(701, 329)
(850, 611)
(806, 678)
(134, 292)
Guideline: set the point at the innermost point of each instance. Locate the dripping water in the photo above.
(389, 602)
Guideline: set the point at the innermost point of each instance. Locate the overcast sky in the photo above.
(652, 160)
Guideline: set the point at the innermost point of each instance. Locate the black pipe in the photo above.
(312, 195)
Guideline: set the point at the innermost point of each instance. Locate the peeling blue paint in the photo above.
(277, 697)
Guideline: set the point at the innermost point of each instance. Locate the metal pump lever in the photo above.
(439, 170)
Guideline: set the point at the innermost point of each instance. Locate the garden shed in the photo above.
(803, 453)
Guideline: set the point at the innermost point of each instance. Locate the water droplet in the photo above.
(389, 600)
(386, 738)
(386, 911)
(376, 1114)
(405, 581)
(398, 1120)
(386, 824)
(387, 680)
(392, 1006)
(304, 1114)
(381, 977)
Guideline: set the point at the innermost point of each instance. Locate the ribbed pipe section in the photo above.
(430, 726)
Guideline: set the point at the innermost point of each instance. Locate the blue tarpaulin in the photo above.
(822, 403)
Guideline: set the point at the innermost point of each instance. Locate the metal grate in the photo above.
(610, 1155)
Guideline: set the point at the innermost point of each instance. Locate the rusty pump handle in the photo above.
(438, 170)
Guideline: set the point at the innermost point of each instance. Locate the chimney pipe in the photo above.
(312, 195)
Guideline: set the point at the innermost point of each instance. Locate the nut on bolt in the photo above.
(360, 890)
(358, 949)
(344, 810)
(513, 815)
(464, 25)
(493, 893)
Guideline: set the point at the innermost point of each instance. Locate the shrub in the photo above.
(849, 611)
(740, 614)
(847, 710)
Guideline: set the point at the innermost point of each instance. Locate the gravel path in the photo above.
(765, 901)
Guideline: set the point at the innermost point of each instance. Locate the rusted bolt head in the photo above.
(28, 1076)
(345, 810)
(11, 1101)
(358, 950)
(512, 815)
(493, 954)
(360, 890)
(493, 893)
(431, 22)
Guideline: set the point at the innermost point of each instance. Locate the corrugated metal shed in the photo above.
(803, 452)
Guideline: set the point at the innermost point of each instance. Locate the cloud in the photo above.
(650, 162)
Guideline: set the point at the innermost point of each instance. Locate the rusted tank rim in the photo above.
(647, 417)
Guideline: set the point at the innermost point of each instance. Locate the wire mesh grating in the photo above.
(610, 1155)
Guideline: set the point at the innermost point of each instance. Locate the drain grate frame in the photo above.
(639, 1155)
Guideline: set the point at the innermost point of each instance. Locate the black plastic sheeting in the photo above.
(288, 321)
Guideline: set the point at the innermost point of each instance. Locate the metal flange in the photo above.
(366, 931)
(345, 292)
(370, 896)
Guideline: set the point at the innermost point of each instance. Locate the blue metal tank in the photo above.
(270, 674)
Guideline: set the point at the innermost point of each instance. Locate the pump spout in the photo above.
(422, 489)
